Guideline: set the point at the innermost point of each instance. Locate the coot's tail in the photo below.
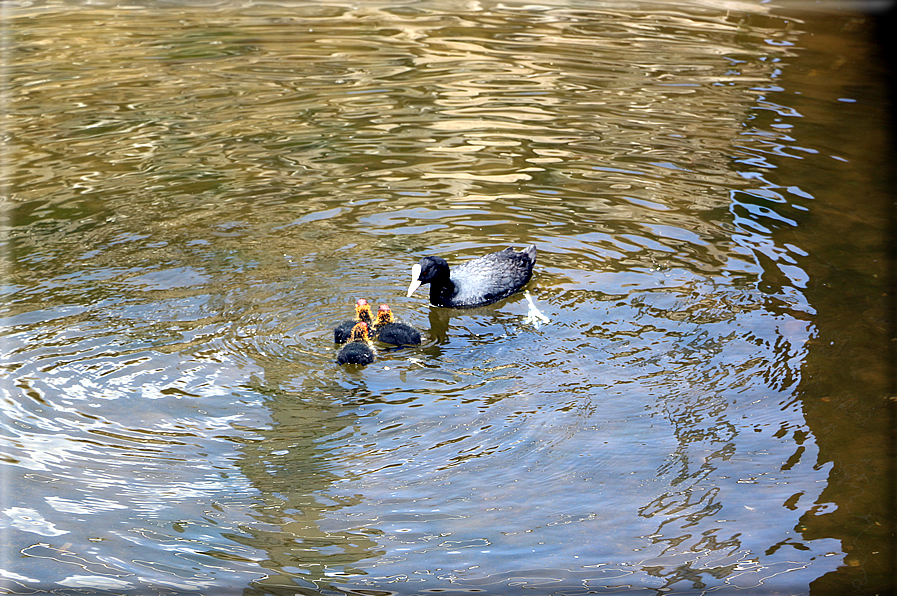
(530, 251)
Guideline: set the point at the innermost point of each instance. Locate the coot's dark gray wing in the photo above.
(492, 277)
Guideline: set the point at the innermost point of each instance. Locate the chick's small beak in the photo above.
(415, 279)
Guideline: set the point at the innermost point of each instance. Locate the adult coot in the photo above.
(475, 283)
(390, 331)
(358, 350)
(362, 313)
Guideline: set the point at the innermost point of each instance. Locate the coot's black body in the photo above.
(343, 331)
(390, 331)
(358, 350)
(477, 282)
(355, 352)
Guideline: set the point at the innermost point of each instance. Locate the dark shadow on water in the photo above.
(291, 469)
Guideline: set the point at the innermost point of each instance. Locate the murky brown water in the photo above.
(196, 194)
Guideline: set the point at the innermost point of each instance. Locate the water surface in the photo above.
(196, 193)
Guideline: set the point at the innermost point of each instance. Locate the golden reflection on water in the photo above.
(198, 193)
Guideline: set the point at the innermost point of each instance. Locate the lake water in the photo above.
(195, 193)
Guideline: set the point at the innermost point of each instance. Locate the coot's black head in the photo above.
(426, 271)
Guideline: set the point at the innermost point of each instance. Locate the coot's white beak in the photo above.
(415, 279)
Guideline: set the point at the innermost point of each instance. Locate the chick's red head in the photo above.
(359, 332)
(363, 310)
(384, 315)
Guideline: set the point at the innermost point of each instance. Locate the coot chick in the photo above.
(390, 331)
(358, 350)
(362, 313)
(478, 282)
